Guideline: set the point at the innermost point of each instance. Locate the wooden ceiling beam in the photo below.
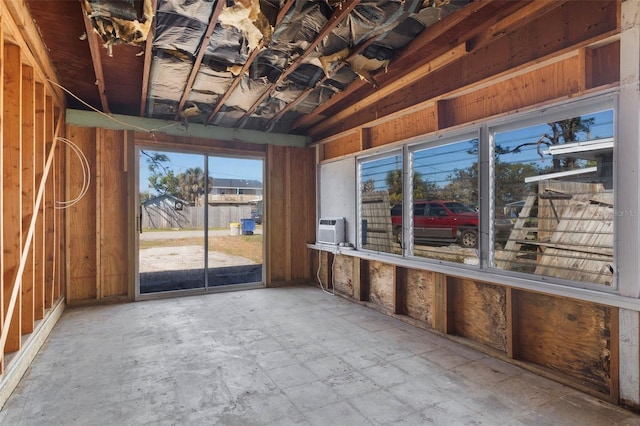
(252, 57)
(198, 60)
(339, 14)
(359, 49)
(432, 42)
(473, 72)
(148, 56)
(96, 59)
(514, 21)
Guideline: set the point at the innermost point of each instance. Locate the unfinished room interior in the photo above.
(320, 212)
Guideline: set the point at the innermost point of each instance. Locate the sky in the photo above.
(219, 167)
(436, 164)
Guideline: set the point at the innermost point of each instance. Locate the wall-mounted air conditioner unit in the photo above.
(331, 230)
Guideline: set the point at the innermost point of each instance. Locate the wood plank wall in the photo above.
(31, 114)
(290, 213)
(98, 249)
(99, 255)
(502, 76)
(567, 340)
(570, 51)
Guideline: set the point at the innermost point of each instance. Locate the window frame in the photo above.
(485, 131)
(541, 116)
(378, 155)
(436, 141)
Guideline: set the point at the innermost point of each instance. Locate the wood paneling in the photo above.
(49, 212)
(28, 193)
(347, 144)
(382, 284)
(81, 222)
(11, 188)
(343, 275)
(290, 212)
(420, 295)
(404, 127)
(567, 336)
(164, 141)
(602, 65)
(301, 204)
(38, 236)
(479, 312)
(114, 254)
(275, 215)
(534, 87)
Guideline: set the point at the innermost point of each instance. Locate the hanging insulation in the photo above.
(245, 25)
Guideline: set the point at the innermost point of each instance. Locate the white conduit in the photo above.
(86, 175)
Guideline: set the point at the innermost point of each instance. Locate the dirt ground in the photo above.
(183, 257)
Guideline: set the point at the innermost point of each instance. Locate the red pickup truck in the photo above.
(445, 221)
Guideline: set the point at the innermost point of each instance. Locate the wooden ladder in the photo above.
(518, 234)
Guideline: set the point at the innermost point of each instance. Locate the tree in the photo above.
(462, 185)
(509, 179)
(191, 184)
(394, 186)
(166, 183)
(421, 189)
(162, 179)
(369, 186)
(566, 131)
(145, 195)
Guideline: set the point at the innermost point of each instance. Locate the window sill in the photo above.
(462, 271)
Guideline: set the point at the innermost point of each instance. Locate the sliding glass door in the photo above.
(199, 221)
(235, 221)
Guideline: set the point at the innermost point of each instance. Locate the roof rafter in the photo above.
(252, 57)
(360, 48)
(96, 59)
(339, 14)
(148, 52)
(426, 46)
(198, 60)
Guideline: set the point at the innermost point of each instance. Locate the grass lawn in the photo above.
(249, 246)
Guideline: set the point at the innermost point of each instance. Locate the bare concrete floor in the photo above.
(293, 356)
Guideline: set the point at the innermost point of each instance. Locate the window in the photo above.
(380, 196)
(445, 195)
(555, 182)
(532, 196)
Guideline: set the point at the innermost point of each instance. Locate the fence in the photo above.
(165, 217)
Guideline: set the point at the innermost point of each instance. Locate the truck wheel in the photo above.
(469, 238)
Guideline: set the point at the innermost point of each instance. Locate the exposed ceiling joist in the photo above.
(148, 53)
(431, 43)
(339, 14)
(94, 47)
(254, 54)
(359, 49)
(201, 51)
(274, 65)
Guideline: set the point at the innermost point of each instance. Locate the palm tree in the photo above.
(191, 184)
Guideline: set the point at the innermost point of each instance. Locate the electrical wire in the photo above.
(86, 175)
(332, 274)
(110, 117)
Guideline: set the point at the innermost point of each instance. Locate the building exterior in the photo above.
(235, 190)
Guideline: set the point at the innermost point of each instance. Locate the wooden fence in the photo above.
(376, 216)
(189, 217)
